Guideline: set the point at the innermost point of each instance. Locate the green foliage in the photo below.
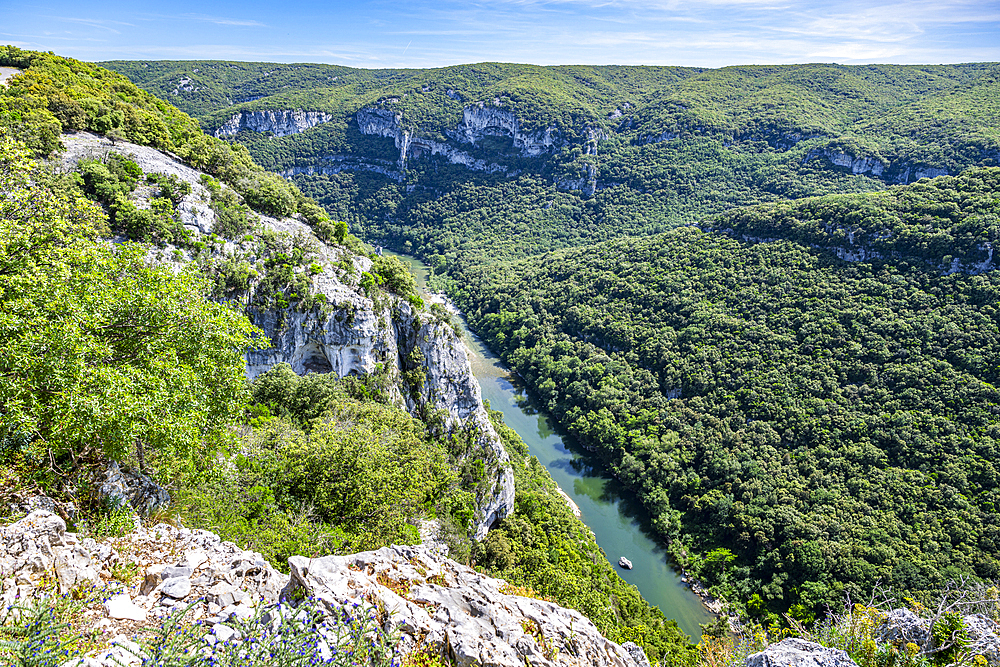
(957, 218)
(950, 637)
(114, 522)
(394, 275)
(37, 633)
(55, 94)
(327, 470)
(101, 351)
(171, 187)
(827, 422)
(232, 217)
(270, 194)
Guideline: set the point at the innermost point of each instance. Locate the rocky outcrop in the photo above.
(480, 121)
(236, 602)
(451, 610)
(984, 637)
(585, 181)
(334, 164)
(876, 167)
(450, 386)
(195, 212)
(380, 122)
(799, 653)
(902, 626)
(359, 336)
(280, 123)
(37, 547)
(857, 165)
(130, 488)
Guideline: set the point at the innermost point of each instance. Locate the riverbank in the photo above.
(616, 531)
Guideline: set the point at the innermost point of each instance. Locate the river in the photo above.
(605, 510)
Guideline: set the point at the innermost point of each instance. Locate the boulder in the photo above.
(38, 545)
(901, 627)
(984, 637)
(176, 587)
(638, 655)
(799, 653)
(126, 487)
(122, 607)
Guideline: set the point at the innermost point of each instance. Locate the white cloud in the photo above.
(225, 21)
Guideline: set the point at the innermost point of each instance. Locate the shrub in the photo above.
(269, 194)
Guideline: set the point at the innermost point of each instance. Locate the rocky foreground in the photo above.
(414, 594)
(431, 603)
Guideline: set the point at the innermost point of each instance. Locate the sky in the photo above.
(422, 33)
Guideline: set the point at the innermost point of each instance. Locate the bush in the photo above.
(394, 275)
(270, 194)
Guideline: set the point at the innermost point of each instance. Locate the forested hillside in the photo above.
(586, 154)
(134, 352)
(797, 426)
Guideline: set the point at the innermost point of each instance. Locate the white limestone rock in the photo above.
(901, 627)
(463, 615)
(794, 652)
(984, 636)
(126, 487)
(279, 122)
(122, 607)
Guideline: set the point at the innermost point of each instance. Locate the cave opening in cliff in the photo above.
(314, 360)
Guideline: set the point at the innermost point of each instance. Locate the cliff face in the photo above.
(480, 121)
(876, 167)
(280, 123)
(360, 336)
(354, 334)
(385, 123)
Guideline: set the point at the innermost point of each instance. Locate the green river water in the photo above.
(607, 512)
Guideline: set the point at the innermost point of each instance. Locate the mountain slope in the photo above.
(420, 158)
(797, 426)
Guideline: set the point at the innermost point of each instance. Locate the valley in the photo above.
(581, 218)
(752, 314)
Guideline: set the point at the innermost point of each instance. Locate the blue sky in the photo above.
(367, 33)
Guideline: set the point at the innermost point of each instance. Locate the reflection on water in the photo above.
(609, 510)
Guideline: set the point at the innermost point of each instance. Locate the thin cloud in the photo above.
(102, 24)
(218, 20)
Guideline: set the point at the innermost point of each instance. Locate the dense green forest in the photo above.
(797, 426)
(107, 356)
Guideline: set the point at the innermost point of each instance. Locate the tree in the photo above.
(101, 352)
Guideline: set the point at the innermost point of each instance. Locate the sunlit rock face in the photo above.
(280, 123)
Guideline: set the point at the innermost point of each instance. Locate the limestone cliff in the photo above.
(481, 120)
(280, 123)
(356, 332)
(380, 122)
(877, 167)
